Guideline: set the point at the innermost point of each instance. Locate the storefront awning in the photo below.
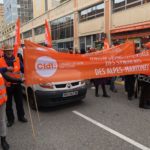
(138, 26)
(130, 35)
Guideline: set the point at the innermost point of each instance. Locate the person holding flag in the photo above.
(4, 70)
(14, 89)
(3, 98)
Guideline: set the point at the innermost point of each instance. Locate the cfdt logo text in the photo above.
(46, 66)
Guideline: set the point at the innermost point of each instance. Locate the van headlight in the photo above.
(47, 85)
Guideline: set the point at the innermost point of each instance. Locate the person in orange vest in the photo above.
(14, 89)
(3, 99)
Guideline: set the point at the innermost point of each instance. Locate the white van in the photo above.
(55, 93)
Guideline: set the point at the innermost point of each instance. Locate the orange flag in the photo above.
(40, 47)
(45, 66)
(48, 38)
(106, 44)
(17, 40)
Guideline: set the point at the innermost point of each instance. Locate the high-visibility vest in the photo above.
(3, 95)
(16, 73)
(2, 63)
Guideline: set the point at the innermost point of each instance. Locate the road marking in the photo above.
(121, 136)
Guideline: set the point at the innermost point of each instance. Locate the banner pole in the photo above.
(32, 125)
(36, 106)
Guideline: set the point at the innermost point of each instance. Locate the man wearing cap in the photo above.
(14, 89)
(3, 99)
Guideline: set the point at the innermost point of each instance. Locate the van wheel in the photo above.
(31, 99)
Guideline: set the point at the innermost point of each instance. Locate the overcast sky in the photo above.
(1, 1)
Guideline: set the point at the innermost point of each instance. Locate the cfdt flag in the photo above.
(17, 39)
(48, 38)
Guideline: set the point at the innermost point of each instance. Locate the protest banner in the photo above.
(44, 66)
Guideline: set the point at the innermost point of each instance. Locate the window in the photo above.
(100, 10)
(68, 31)
(62, 33)
(88, 41)
(62, 28)
(39, 30)
(119, 5)
(133, 3)
(27, 34)
(83, 15)
(65, 46)
(92, 12)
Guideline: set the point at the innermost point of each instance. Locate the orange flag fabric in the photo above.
(17, 40)
(44, 66)
(48, 38)
(42, 48)
(127, 48)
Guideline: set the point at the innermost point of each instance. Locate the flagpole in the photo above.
(32, 125)
(31, 119)
(36, 106)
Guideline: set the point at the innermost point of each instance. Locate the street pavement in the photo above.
(60, 128)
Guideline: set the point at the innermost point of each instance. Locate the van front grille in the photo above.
(60, 85)
(75, 83)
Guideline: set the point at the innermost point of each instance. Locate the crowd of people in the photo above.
(134, 87)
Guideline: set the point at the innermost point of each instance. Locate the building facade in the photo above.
(42, 6)
(7, 33)
(1, 18)
(83, 23)
(18, 8)
(1, 12)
